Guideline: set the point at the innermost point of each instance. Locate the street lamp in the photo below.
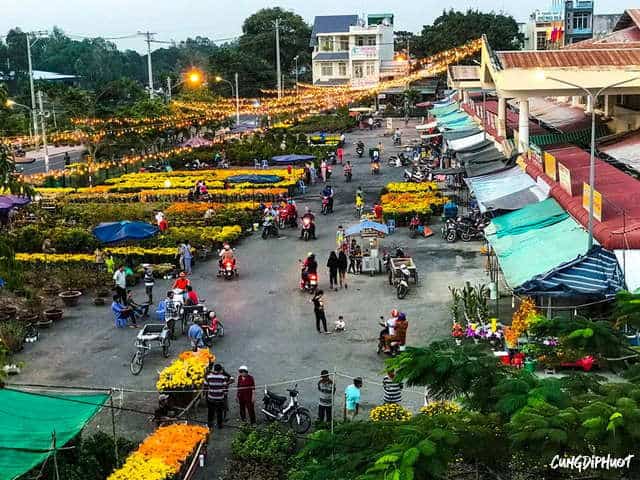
(234, 91)
(592, 162)
(296, 59)
(194, 77)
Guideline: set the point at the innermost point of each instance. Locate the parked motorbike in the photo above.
(307, 226)
(377, 123)
(401, 282)
(274, 409)
(269, 229)
(466, 228)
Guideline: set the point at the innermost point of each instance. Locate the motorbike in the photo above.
(375, 168)
(211, 334)
(269, 229)
(307, 225)
(329, 172)
(228, 269)
(401, 282)
(309, 282)
(377, 123)
(332, 159)
(274, 409)
(397, 140)
(347, 176)
(359, 210)
(284, 219)
(360, 149)
(325, 205)
(466, 228)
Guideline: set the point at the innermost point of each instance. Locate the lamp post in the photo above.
(234, 91)
(593, 96)
(296, 59)
(194, 77)
(42, 114)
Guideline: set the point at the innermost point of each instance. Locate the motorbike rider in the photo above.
(415, 222)
(292, 212)
(347, 169)
(397, 136)
(389, 329)
(312, 224)
(269, 219)
(310, 265)
(226, 254)
(328, 192)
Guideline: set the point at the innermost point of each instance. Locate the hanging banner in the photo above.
(564, 176)
(597, 201)
(550, 166)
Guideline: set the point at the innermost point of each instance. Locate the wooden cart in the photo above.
(394, 269)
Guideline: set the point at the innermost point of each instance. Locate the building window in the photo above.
(344, 44)
(371, 41)
(357, 70)
(342, 69)
(326, 70)
(326, 44)
(541, 40)
(360, 41)
(581, 20)
(371, 69)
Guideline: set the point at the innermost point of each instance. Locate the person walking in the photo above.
(339, 237)
(149, 282)
(332, 265)
(358, 259)
(352, 257)
(216, 384)
(246, 395)
(340, 154)
(186, 256)
(180, 256)
(120, 280)
(323, 171)
(318, 309)
(392, 389)
(342, 269)
(327, 389)
(352, 399)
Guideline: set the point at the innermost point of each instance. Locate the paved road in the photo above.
(269, 322)
(56, 159)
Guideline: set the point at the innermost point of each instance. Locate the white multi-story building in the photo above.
(349, 51)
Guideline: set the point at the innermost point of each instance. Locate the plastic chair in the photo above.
(256, 163)
(302, 187)
(265, 164)
(391, 225)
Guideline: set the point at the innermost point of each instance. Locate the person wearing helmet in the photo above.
(226, 254)
(389, 330)
(310, 265)
(312, 225)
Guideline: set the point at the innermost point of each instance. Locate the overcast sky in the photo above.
(218, 19)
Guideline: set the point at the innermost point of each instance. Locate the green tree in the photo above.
(454, 28)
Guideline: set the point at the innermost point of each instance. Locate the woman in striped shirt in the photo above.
(392, 388)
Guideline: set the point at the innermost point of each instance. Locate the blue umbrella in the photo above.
(292, 158)
(118, 231)
(366, 225)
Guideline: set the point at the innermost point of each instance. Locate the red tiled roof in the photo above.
(570, 58)
(620, 228)
(464, 72)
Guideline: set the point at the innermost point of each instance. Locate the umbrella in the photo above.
(292, 158)
(366, 225)
(118, 231)
(196, 142)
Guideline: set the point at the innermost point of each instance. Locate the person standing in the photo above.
(246, 395)
(340, 154)
(109, 262)
(318, 309)
(180, 256)
(352, 257)
(370, 122)
(120, 280)
(392, 389)
(342, 269)
(216, 384)
(332, 265)
(323, 171)
(327, 389)
(149, 282)
(352, 399)
(339, 237)
(186, 256)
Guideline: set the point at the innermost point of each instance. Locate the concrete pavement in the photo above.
(269, 323)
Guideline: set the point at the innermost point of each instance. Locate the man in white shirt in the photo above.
(120, 280)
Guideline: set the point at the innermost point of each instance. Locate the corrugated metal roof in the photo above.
(626, 38)
(323, 56)
(464, 72)
(570, 58)
(629, 18)
(332, 24)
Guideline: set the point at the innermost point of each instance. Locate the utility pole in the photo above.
(278, 58)
(237, 101)
(296, 59)
(169, 89)
(149, 38)
(44, 132)
(34, 118)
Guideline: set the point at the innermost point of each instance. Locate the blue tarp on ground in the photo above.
(120, 231)
(366, 225)
(257, 179)
(292, 158)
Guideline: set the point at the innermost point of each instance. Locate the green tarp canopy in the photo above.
(580, 137)
(442, 111)
(535, 240)
(28, 420)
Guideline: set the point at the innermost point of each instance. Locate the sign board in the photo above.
(389, 123)
(550, 166)
(364, 52)
(564, 176)
(369, 264)
(535, 154)
(382, 96)
(597, 201)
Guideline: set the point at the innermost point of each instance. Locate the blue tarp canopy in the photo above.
(292, 158)
(366, 225)
(258, 179)
(119, 231)
(7, 202)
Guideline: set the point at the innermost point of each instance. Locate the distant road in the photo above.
(56, 159)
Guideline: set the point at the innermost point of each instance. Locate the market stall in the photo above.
(368, 235)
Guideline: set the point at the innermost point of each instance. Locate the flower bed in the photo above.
(440, 407)
(85, 257)
(186, 372)
(406, 187)
(389, 412)
(162, 454)
(402, 205)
